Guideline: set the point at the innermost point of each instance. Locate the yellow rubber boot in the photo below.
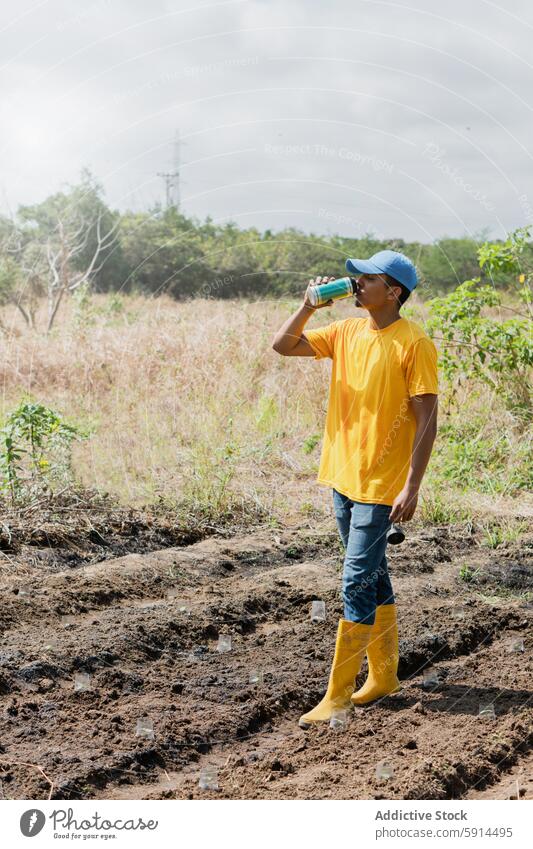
(352, 640)
(383, 656)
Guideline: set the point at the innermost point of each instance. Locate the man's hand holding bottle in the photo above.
(318, 281)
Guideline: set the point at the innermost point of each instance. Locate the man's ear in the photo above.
(395, 292)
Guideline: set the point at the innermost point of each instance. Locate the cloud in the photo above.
(284, 110)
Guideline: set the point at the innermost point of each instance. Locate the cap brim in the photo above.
(362, 266)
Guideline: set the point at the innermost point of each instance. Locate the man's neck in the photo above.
(379, 319)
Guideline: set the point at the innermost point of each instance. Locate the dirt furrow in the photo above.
(149, 658)
(195, 700)
(434, 739)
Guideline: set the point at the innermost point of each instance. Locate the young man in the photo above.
(380, 428)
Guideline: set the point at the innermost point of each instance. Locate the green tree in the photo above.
(162, 254)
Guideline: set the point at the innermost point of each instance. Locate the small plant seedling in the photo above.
(310, 443)
(145, 728)
(318, 611)
(467, 574)
(516, 645)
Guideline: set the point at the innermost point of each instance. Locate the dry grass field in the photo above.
(188, 403)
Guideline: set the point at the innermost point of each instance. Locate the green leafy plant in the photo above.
(35, 450)
(436, 510)
(10, 460)
(473, 451)
(508, 256)
(498, 533)
(495, 351)
(310, 443)
(467, 574)
(493, 536)
(207, 486)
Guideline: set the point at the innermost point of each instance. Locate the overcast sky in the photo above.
(408, 119)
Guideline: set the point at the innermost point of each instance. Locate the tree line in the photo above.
(73, 240)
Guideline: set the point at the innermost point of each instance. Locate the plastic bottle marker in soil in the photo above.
(208, 778)
(458, 612)
(514, 791)
(487, 711)
(384, 769)
(25, 591)
(255, 677)
(339, 720)
(174, 593)
(68, 620)
(197, 653)
(430, 677)
(145, 728)
(318, 611)
(82, 681)
(224, 643)
(516, 645)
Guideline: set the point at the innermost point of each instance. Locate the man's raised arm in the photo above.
(289, 341)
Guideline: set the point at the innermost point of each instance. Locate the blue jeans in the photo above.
(365, 582)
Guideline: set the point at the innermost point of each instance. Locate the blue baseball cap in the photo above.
(386, 262)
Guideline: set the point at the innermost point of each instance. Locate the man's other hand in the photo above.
(404, 505)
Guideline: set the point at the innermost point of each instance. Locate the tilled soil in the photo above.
(145, 627)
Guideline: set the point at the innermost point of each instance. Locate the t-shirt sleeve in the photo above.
(421, 372)
(322, 340)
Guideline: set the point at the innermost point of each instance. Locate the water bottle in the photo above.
(334, 290)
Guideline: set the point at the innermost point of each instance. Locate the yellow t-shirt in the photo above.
(370, 424)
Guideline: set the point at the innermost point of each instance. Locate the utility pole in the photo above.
(172, 178)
